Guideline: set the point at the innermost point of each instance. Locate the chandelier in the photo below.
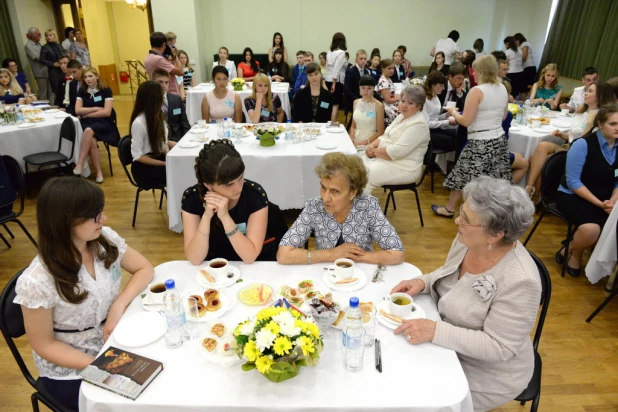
(137, 4)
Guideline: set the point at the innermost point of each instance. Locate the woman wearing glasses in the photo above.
(488, 294)
(70, 294)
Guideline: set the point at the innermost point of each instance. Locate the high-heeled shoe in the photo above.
(560, 257)
(573, 272)
(434, 209)
(99, 179)
(77, 172)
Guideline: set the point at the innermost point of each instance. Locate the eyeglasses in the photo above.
(97, 217)
(464, 220)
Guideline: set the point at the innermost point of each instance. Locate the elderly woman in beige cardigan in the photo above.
(488, 294)
(397, 156)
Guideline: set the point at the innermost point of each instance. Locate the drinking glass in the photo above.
(192, 327)
(354, 349)
(220, 131)
(325, 319)
(370, 326)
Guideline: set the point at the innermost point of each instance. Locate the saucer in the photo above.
(151, 307)
(201, 280)
(189, 144)
(335, 129)
(227, 303)
(329, 280)
(26, 125)
(325, 145)
(384, 305)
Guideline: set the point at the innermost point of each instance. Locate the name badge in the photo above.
(97, 98)
(229, 103)
(371, 115)
(242, 227)
(265, 113)
(176, 112)
(324, 105)
(616, 173)
(116, 271)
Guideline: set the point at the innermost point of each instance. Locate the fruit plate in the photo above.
(256, 294)
(227, 303)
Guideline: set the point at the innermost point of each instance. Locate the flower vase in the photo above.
(282, 371)
(267, 140)
(238, 87)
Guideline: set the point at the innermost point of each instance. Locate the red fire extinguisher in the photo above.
(124, 76)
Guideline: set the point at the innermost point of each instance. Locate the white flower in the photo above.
(247, 329)
(284, 317)
(288, 329)
(264, 339)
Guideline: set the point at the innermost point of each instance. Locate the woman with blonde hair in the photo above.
(10, 91)
(547, 91)
(262, 106)
(486, 152)
(187, 79)
(50, 55)
(94, 108)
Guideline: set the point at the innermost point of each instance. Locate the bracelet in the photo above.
(205, 234)
(232, 232)
(308, 257)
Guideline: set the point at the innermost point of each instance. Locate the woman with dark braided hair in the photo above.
(224, 215)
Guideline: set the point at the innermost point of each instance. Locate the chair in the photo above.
(109, 153)
(609, 298)
(12, 327)
(67, 131)
(551, 175)
(124, 153)
(17, 179)
(410, 186)
(533, 391)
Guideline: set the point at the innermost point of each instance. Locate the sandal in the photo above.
(530, 192)
(450, 213)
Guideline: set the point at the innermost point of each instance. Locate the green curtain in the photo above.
(582, 34)
(8, 47)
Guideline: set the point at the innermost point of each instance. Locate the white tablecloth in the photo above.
(197, 94)
(424, 378)
(17, 142)
(286, 171)
(603, 258)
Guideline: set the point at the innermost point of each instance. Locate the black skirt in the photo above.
(335, 97)
(148, 176)
(529, 76)
(517, 83)
(580, 211)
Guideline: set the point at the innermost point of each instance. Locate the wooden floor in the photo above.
(580, 360)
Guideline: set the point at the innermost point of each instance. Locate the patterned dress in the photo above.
(390, 110)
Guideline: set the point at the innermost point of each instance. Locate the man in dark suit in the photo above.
(74, 69)
(351, 88)
(60, 87)
(454, 90)
(173, 107)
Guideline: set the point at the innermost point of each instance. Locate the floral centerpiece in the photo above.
(277, 342)
(418, 81)
(238, 83)
(267, 134)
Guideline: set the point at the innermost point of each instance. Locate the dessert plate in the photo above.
(221, 283)
(227, 303)
(384, 305)
(329, 280)
(140, 329)
(189, 144)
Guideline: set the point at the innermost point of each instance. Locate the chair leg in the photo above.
(35, 403)
(602, 306)
(535, 402)
(5, 241)
(431, 163)
(135, 208)
(388, 200)
(161, 200)
(534, 228)
(109, 158)
(26, 232)
(8, 231)
(522, 402)
(418, 205)
(566, 251)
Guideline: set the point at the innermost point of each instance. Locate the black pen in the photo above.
(377, 356)
(380, 356)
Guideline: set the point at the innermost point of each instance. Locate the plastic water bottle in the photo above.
(353, 318)
(354, 337)
(19, 114)
(289, 132)
(226, 128)
(521, 115)
(527, 110)
(174, 315)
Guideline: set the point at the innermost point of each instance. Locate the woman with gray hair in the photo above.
(397, 156)
(488, 294)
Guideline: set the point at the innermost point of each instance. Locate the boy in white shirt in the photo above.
(591, 75)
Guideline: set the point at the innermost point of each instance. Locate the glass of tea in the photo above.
(156, 292)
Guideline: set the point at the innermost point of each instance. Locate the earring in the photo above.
(489, 247)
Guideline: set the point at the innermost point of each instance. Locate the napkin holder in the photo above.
(267, 140)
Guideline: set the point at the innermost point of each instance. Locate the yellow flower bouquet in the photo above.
(277, 342)
(237, 83)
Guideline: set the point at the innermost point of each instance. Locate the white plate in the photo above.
(61, 115)
(149, 306)
(197, 130)
(564, 115)
(561, 123)
(189, 144)
(514, 129)
(227, 303)
(52, 111)
(417, 314)
(26, 125)
(201, 280)
(348, 287)
(335, 129)
(200, 139)
(325, 145)
(140, 329)
(215, 357)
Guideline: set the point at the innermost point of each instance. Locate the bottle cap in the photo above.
(225, 119)
(353, 302)
(170, 284)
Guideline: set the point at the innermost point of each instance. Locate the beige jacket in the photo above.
(406, 142)
(487, 320)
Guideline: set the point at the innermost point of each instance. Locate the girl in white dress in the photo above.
(368, 114)
(70, 294)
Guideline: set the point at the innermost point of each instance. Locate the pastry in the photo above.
(210, 344)
(339, 318)
(198, 298)
(344, 281)
(201, 310)
(207, 275)
(228, 346)
(213, 305)
(391, 317)
(366, 308)
(218, 329)
(211, 294)
(311, 295)
(305, 286)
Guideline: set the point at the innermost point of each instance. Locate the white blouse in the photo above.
(335, 66)
(406, 142)
(434, 119)
(231, 68)
(449, 48)
(515, 60)
(140, 145)
(530, 60)
(488, 121)
(35, 289)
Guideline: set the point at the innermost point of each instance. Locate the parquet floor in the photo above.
(580, 360)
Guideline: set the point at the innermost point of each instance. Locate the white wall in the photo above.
(25, 14)
(309, 25)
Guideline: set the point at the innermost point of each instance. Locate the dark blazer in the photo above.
(73, 88)
(176, 117)
(59, 90)
(459, 100)
(397, 77)
(351, 88)
(302, 111)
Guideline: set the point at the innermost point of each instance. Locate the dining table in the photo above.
(40, 133)
(424, 377)
(286, 170)
(196, 94)
(603, 259)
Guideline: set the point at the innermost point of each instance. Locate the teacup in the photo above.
(155, 292)
(344, 268)
(201, 124)
(565, 112)
(450, 104)
(218, 268)
(400, 304)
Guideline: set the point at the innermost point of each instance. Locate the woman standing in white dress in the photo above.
(516, 68)
(335, 71)
(528, 63)
(70, 294)
(368, 114)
